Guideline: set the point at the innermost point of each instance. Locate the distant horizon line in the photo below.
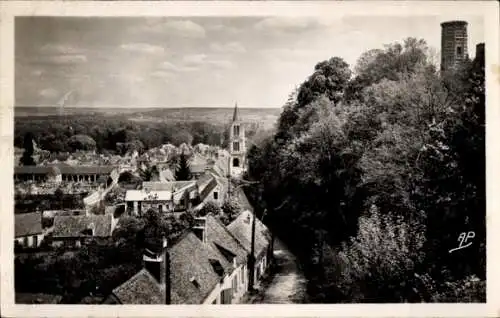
(145, 107)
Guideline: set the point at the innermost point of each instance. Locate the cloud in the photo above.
(48, 93)
(194, 59)
(178, 28)
(59, 48)
(127, 77)
(292, 25)
(227, 29)
(221, 64)
(168, 66)
(232, 47)
(36, 72)
(66, 59)
(162, 74)
(143, 48)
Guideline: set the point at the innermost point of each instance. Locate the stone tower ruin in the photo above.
(453, 44)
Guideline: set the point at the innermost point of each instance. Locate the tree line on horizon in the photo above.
(373, 173)
(113, 135)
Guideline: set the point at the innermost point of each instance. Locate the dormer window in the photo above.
(194, 282)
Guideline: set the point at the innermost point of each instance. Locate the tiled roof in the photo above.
(223, 182)
(243, 200)
(171, 186)
(241, 228)
(219, 237)
(72, 226)
(142, 288)
(64, 169)
(204, 180)
(208, 187)
(193, 276)
(28, 224)
(198, 168)
(221, 166)
(32, 170)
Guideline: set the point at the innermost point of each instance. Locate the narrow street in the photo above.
(286, 284)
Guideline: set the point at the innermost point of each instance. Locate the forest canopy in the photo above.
(374, 172)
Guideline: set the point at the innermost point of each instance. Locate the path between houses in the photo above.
(286, 284)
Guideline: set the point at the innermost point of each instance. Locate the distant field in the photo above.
(265, 116)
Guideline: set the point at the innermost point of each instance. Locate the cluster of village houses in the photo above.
(209, 264)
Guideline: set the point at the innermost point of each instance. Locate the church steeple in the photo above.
(236, 114)
(237, 145)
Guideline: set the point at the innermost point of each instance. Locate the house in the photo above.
(64, 172)
(242, 228)
(217, 236)
(76, 230)
(28, 230)
(211, 188)
(37, 173)
(175, 196)
(188, 272)
(139, 201)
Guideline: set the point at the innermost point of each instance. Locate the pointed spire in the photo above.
(236, 115)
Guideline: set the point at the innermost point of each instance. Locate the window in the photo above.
(236, 162)
(226, 296)
(236, 146)
(459, 50)
(216, 195)
(236, 130)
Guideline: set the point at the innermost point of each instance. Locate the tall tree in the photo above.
(29, 149)
(148, 172)
(183, 171)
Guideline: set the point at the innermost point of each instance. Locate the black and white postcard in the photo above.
(249, 158)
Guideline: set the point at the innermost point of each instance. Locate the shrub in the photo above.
(377, 263)
(209, 207)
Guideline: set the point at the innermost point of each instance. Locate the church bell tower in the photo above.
(237, 145)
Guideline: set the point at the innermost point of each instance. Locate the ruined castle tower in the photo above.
(453, 43)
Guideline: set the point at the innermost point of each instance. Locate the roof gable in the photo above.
(189, 263)
(241, 228)
(220, 237)
(142, 288)
(28, 224)
(75, 225)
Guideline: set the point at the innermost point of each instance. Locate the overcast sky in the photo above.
(195, 62)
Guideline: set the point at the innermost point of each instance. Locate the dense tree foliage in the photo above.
(149, 172)
(27, 158)
(81, 142)
(100, 266)
(210, 207)
(183, 171)
(371, 179)
(117, 134)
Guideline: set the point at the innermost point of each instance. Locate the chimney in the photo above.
(157, 263)
(199, 228)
